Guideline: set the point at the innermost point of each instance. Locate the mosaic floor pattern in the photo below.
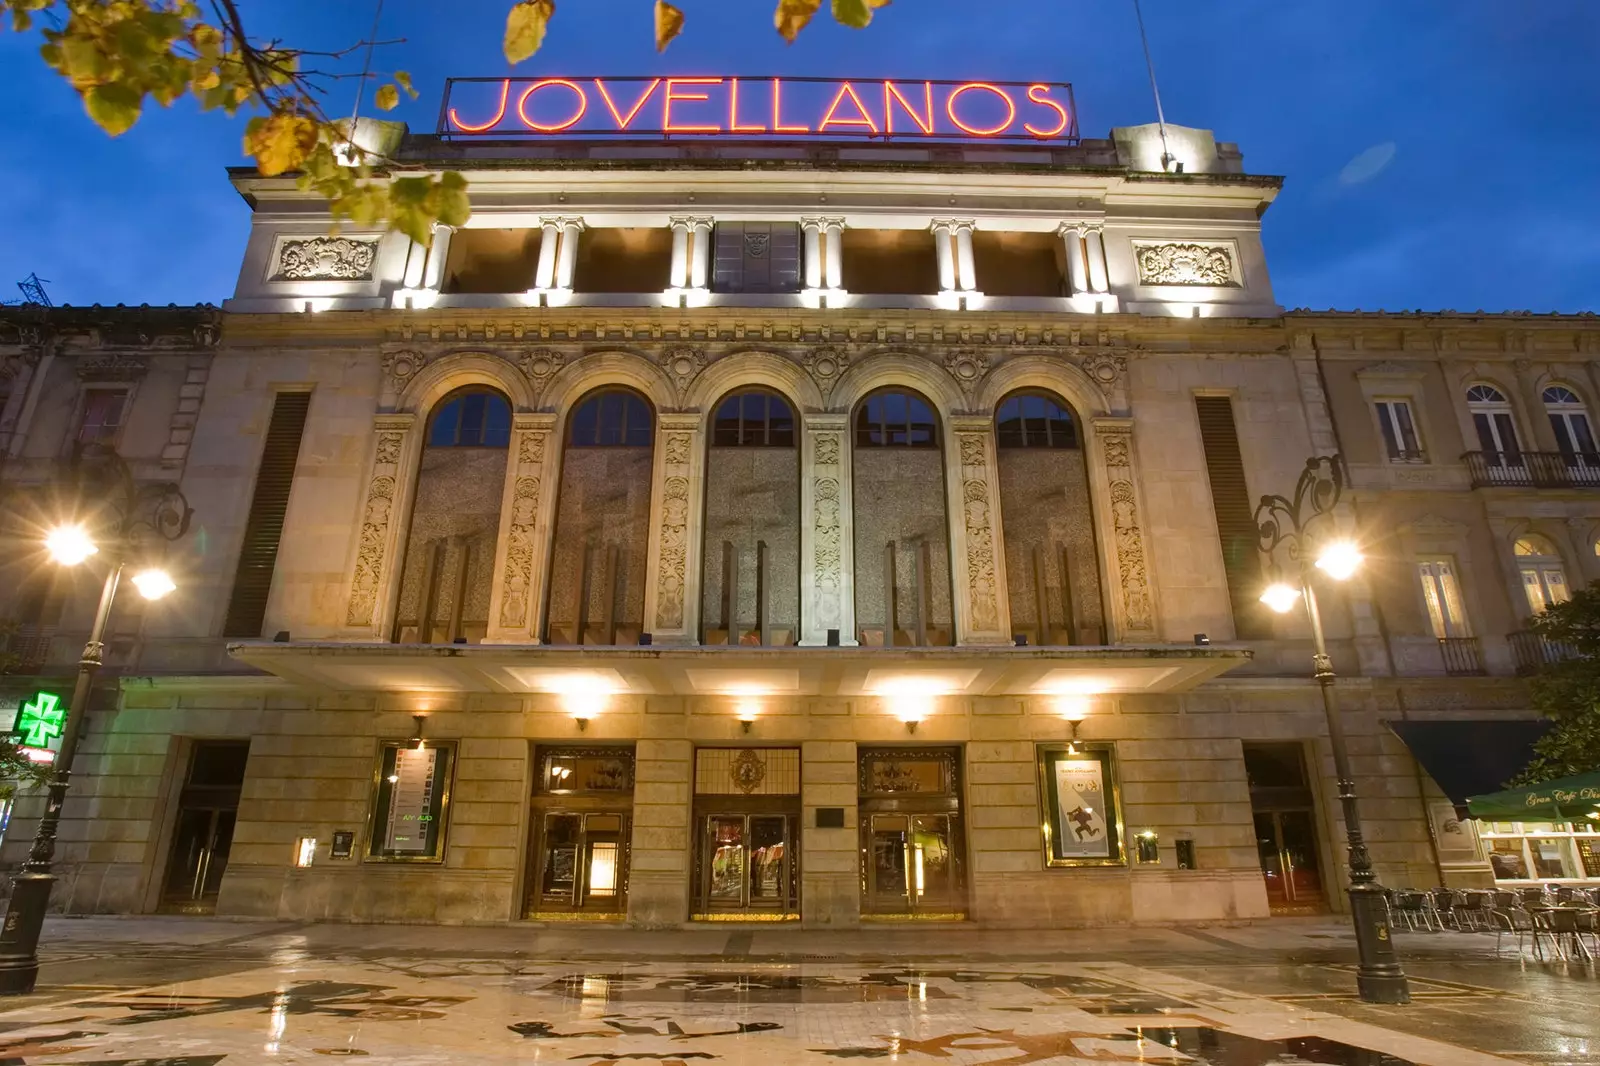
(433, 1009)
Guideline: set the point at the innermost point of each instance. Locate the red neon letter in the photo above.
(864, 120)
(777, 106)
(890, 93)
(522, 106)
(623, 123)
(733, 111)
(1044, 99)
(950, 109)
(673, 94)
(505, 91)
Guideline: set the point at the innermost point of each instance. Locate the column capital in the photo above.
(679, 421)
(688, 221)
(963, 424)
(534, 421)
(561, 221)
(829, 422)
(395, 422)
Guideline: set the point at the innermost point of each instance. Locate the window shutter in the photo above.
(252, 582)
(756, 257)
(1236, 527)
(727, 257)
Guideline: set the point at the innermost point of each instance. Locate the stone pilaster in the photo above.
(827, 534)
(658, 878)
(1131, 591)
(522, 549)
(380, 546)
(977, 563)
(830, 875)
(672, 583)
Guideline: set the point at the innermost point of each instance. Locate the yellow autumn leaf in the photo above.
(387, 98)
(525, 27)
(114, 107)
(280, 142)
(792, 16)
(669, 23)
(853, 13)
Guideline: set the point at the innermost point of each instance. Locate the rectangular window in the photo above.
(1442, 593)
(1399, 432)
(759, 257)
(411, 802)
(1236, 526)
(102, 416)
(258, 555)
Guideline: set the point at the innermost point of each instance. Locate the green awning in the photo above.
(1569, 798)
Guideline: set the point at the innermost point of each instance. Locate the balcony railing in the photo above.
(1461, 656)
(1538, 470)
(1534, 652)
(29, 643)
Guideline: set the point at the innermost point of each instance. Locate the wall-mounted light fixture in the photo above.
(305, 851)
(1147, 847)
(1074, 707)
(416, 734)
(584, 698)
(748, 710)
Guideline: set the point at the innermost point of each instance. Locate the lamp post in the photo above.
(131, 519)
(1293, 524)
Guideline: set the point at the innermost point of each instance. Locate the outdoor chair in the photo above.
(1412, 908)
(1564, 931)
(1472, 911)
(1444, 902)
(1519, 923)
(1532, 895)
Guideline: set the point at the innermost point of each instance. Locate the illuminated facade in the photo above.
(787, 530)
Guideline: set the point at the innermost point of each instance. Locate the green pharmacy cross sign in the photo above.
(39, 721)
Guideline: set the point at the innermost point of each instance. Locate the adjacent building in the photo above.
(786, 530)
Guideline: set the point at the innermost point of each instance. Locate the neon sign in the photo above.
(40, 721)
(811, 108)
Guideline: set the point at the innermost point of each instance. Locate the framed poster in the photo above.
(1456, 837)
(1082, 820)
(410, 802)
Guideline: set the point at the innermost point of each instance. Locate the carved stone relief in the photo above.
(401, 367)
(825, 364)
(967, 367)
(375, 519)
(517, 579)
(1132, 573)
(113, 366)
(683, 362)
(325, 259)
(1185, 264)
(1105, 367)
(541, 365)
(977, 509)
(827, 530)
(673, 564)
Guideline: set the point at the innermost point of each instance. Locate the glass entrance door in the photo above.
(748, 865)
(911, 864)
(202, 832)
(582, 864)
(1287, 844)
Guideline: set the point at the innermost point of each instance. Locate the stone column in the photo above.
(567, 255)
(811, 230)
(966, 269)
(416, 266)
(433, 277)
(544, 273)
(672, 573)
(1094, 241)
(945, 255)
(659, 860)
(1130, 589)
(830, 875)
(527, 517)
(700, 263)
(827, 534)
(380, 542)
(834, 271)
(678, 276)
(977, 561)
(1077, 272)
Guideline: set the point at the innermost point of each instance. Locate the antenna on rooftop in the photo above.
(33, 292)
(1167, 158)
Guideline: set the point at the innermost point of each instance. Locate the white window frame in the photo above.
(1493, 411)
(1527, 832)
(1569, 420)
(89, 388)
(1439, 581)
(1387, 409)
(1535, 571)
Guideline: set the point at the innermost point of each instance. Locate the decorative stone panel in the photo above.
(523, 548)
(1177, 263)
(827, 588)
(672, 598)
(1133, 591)
(324, 259)
(985, 618)
(375, 549)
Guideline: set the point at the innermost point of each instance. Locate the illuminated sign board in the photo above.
(38, 726)
(811, 108)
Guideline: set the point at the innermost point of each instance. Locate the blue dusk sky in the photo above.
(1437, 153)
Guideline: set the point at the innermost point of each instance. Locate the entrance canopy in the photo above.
(1471, 756)
(694, 671)
(1554, 801)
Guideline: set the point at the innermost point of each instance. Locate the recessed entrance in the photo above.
(747, 818)
(1286, 828)
(912, 855)
(202, 834)
(581, 811)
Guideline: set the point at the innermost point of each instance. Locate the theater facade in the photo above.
(775, 529)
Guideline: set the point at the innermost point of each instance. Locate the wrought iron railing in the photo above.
(1461, 655)
(1533, 652)
(1539, 470)
(27, 645)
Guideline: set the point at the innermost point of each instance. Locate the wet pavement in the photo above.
(198, 992)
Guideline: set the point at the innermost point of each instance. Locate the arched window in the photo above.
(1497, 429)
(612, 419)
(1544, 576)
(1570, 420)
(753, 420)
(471, 418)
(1034, 420)
(894, 418)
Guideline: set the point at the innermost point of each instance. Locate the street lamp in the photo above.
(129, 521)
(1291, 523)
